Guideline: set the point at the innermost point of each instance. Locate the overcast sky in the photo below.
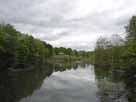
(68, 23)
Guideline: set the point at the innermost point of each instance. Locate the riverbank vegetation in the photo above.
(117, 52)
(18, 50)
(118, 56)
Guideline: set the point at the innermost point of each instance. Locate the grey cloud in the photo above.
(55, 20)
(51, 37)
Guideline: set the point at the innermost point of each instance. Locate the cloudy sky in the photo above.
(68, 23)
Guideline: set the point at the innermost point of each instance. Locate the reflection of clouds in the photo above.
(70, 79)
(68, 86)
(79, 74)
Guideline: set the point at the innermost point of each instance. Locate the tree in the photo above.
(69, 51)
(130, 54)
(56, 51)
(20, 50)
(9, 38)
(50, 50)
(102, 52)
(117, 48)
(131, 29)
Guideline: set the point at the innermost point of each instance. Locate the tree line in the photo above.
(19, 50)
(117, 52)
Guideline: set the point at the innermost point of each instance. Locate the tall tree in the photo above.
(102, 52)
(131, 29)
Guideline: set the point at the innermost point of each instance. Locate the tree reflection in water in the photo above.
(113, 85)
(19, 84)
(116, 85)
(16, 85)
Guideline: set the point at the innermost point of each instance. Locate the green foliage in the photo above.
(9, 39)
(131, 29)
(70, 52)
(130, 53)
(114, 52)
(20, 50)
(109, 52)
(103, 52)
(121, 57)
(129, 57)
(50, 50)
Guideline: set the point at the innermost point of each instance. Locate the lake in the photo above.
(65, 83)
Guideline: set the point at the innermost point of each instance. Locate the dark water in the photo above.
(79, 83)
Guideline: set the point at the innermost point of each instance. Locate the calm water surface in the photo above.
(75, 85)
(79, 83)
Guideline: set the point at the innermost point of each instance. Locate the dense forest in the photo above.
(18, 50)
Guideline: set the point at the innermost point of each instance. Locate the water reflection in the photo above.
(75, 85)
(116, 85)
(17, 85)
(130, 82)
(68, 82)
